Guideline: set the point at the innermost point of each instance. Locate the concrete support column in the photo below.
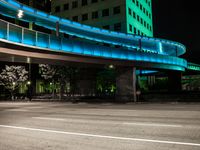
(33, 78)
(86, 87)
(87, 82)
(126, 84)
(174, 81)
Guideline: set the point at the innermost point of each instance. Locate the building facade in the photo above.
(43, 5)
(128, 16)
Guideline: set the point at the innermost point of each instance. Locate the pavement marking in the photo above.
(124, 123)
(101, 136)
(47, 118)
(152, 124)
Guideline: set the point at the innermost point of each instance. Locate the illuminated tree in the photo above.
(12, 77)
(61, 74)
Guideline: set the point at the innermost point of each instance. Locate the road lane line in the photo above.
(152, 124)
(47, 118)
(100, 136)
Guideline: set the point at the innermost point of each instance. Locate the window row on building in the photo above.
(143, 9)
(96, 14)
(75, 4)
(136, 31)
(137, 3)
(116, 27)
(139, 19)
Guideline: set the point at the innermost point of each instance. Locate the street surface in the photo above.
(81, 126)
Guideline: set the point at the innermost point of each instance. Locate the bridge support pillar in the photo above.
(174, 81)
(86, 82)
(126, 84)
(33, 73)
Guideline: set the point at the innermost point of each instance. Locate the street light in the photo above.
(20, 13)
(111, 66)
(29, 82)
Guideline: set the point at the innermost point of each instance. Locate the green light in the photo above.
(144, 12)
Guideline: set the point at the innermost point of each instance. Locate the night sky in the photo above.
(179, 20)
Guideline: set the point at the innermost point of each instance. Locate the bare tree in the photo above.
(12, 77)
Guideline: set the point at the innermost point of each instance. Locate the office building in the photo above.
(128, 16)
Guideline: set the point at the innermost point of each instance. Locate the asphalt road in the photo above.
(67, 126)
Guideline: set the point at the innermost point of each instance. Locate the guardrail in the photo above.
(13, 33)
(193, 66)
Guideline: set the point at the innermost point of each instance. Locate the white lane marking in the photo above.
(124, 123)
(100, 136)
(47, 118)
(152, 124)
(35, 107)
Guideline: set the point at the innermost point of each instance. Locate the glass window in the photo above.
(75, 18)
(130, 27)
(57, 9)
(94, 1)
(95, 15)
(117, 27)
(140, 6)
(129, 11)
(107, 27)
(134, 15)
(116, 10)
(74, 4)
(105, 12)
(84, 17)
(84, 2)
(66, 6)
(137, 3)
(135, 30)
(141, 20)
(138, 18)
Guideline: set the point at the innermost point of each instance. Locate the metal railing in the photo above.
(17, 34)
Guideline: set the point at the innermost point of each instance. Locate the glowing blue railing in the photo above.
(154, 45)
(26, 37)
